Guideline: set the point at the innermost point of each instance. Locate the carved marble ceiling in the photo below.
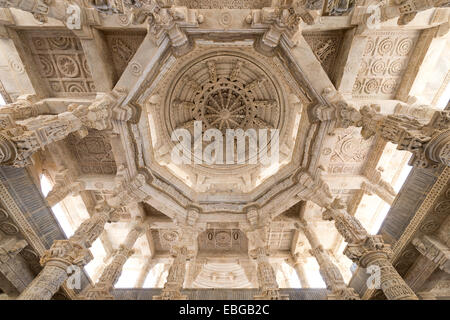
(226, 78)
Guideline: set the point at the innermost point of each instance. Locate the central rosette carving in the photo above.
(224, 105)
(225, 92)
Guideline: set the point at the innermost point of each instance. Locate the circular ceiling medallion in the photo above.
(170, 236)
(223, 238)
(224, 92)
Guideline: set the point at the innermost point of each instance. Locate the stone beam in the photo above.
(98, 58)
(303, 58)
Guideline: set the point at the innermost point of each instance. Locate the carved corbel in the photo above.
(282, 21)
(192, 215)
(255, 218)
(165, 19)
(406, 10)
(10, 246)
(71, 14)
(65, 184)
(129, 191)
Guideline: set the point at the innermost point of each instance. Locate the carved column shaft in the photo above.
(175, 277)
(329, 271)
(266, 275)
(301, 274)
(112, 272)
(63, 255)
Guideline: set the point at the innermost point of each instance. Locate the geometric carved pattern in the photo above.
(123, 46)
(60, 60)
(222, 240)
(325, 46)
(383, 64)
(350, 152)
(93, 153)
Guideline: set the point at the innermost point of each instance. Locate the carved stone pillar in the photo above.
(298, 265)
(368, 250)
(19, 141)
(329, 271)
(67, 253)
(175, 278)
(112, 272)
(258, 251)
(430, 143)
(267, 280)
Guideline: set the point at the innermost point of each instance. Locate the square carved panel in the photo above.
(60, 61)
(93, 153)
(383, 64)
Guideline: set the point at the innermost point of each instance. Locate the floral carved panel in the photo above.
(223, 240)
(61, 62)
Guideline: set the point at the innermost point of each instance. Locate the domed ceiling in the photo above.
(224, 88)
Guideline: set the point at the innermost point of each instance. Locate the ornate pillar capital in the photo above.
(64, 254)
(368, 250)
